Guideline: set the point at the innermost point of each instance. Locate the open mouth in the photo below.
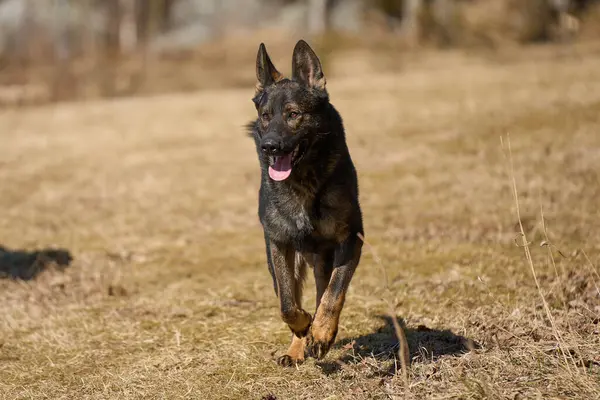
(280, 167)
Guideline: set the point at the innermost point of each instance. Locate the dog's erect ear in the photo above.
(306, 67)
(266, 73)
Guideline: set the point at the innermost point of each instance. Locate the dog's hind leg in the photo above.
(290, 271)
(325, 324)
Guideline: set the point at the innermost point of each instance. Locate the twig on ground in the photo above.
(403, 351)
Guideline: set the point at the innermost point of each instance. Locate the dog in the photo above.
(308, 202)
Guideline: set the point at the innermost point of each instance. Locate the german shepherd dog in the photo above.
(308, 198)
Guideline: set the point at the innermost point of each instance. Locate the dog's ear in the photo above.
(266, 73)
(306, 67)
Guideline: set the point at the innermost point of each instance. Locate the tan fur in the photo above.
(295, 353)
(325, 323)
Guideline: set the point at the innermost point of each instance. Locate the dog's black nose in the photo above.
(270, 146)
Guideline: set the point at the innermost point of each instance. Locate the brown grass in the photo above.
(168, 295)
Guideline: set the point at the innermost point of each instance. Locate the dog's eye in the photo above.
(265, 116)
(293, 115)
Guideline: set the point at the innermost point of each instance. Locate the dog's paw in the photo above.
(319, 342)
(288, 361)
(318, 350)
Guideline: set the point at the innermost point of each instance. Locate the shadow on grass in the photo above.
(26, 265)
(424, 344)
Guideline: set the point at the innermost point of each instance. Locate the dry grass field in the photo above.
(134, 222)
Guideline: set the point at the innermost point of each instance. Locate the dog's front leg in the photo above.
(289, 290)
(325, 324)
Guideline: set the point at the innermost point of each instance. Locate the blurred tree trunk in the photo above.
(23, 51)
(152, 16)
(167, 15)
(112, 40)
(317, 17)
(537, 20)
(89, 44)
(142, 13)
(127, 32)
(88, 35)
(445, 21)
(112, 46)
(63, 85)
(411, 21)
(25, 36)
(142, 16)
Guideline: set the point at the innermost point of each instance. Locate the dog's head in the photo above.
(292, 113)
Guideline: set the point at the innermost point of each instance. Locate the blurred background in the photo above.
(52, 50)
(132, 262)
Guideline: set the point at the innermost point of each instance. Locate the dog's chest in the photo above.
(311, 221)
(301, 219)
(295, 218)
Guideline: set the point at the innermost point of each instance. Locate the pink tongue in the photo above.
(282, 168)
